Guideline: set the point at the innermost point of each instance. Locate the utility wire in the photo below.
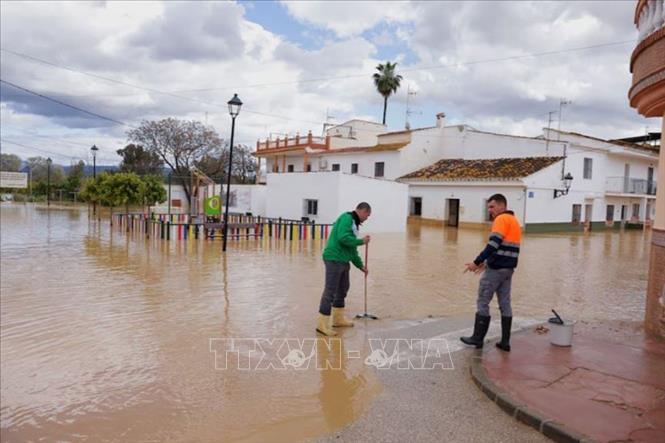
(441, 66)
(339, 77)
(64, 104)
(71, 157)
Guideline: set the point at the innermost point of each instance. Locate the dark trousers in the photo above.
(336, 287)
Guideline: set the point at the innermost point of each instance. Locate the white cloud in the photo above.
(217, 49)
(348, 19)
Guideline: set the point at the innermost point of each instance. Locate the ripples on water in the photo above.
(106, 336)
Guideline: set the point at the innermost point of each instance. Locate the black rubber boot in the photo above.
(480, 328)
(504, 344)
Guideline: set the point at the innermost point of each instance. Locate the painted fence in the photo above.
(184, 227)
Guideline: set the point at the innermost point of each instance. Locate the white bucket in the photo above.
(562, 335)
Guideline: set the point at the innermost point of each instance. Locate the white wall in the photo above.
(472, 197)
(337, 192)
(248, 198)
(388, 199)
(365, 162)
(361, 132)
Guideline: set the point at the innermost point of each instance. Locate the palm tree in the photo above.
(386, 82)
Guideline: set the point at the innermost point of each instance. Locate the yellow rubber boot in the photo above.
(323, 326)
(338, 318)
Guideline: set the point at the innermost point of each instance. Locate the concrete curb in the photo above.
(520, 411)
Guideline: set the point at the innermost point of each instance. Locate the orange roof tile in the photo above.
(482, 169)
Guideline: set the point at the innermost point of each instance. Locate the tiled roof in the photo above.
(622, 143)
(485, 169)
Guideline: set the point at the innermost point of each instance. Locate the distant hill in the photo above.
(87, 169)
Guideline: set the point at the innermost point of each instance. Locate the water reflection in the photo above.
(105, 335)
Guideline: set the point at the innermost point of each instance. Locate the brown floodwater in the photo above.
(105, 336)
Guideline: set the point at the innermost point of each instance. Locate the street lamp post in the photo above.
(234, 109)
(94, 150)
(48, 181)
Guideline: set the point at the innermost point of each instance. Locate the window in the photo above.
(311, 207)
(588, 166)
(354, 168)
(610, 213)
(577, 214)
(378, 169)
(290, 168)
(308, 168)
(233, 198)
(416, 206)
(335, 167)
(636, 211)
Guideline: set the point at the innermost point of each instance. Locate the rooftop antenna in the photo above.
(327, 124)
(547, 138)
(563, 102)
(409, 93)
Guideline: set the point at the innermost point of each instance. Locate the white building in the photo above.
(243, 199)
(323, 196)
(444, 174)
(612, 182)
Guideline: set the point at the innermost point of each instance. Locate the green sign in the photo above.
(213, 205)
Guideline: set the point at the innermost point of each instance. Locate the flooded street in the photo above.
(106, 336)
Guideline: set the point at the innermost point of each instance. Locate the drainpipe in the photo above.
(563, 163)
(524, 212)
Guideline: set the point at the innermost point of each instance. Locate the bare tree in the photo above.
(181, 144)
(244, 164)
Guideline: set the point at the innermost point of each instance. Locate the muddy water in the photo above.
(106, 336)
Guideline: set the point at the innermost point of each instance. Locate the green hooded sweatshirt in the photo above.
(342, 245)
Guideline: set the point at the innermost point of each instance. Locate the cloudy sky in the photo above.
(497, 66)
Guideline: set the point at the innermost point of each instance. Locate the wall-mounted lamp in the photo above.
(567, 179)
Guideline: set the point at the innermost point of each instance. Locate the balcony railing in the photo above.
(298, 140)
(627, 185)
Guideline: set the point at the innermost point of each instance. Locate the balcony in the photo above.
(647, 63)
(295, 142)
(627, 185)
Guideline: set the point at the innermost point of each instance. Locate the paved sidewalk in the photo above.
(609, 386)
(430, 405)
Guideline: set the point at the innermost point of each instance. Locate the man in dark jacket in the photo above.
(341, 248)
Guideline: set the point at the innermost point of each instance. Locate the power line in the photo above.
(65, 104)
(72, 157)
(341, 77)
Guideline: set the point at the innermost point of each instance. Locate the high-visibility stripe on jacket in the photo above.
(503, 247)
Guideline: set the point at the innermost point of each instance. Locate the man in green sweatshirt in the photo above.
(341, 248)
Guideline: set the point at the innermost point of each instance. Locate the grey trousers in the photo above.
(336, 287)
(499, 281)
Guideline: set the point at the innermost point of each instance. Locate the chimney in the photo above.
(440, 118)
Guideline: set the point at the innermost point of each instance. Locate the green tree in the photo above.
(74, 178)
(387, 82)
(152, 190)
(139, 160)
(91, 189)
(10, 162)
